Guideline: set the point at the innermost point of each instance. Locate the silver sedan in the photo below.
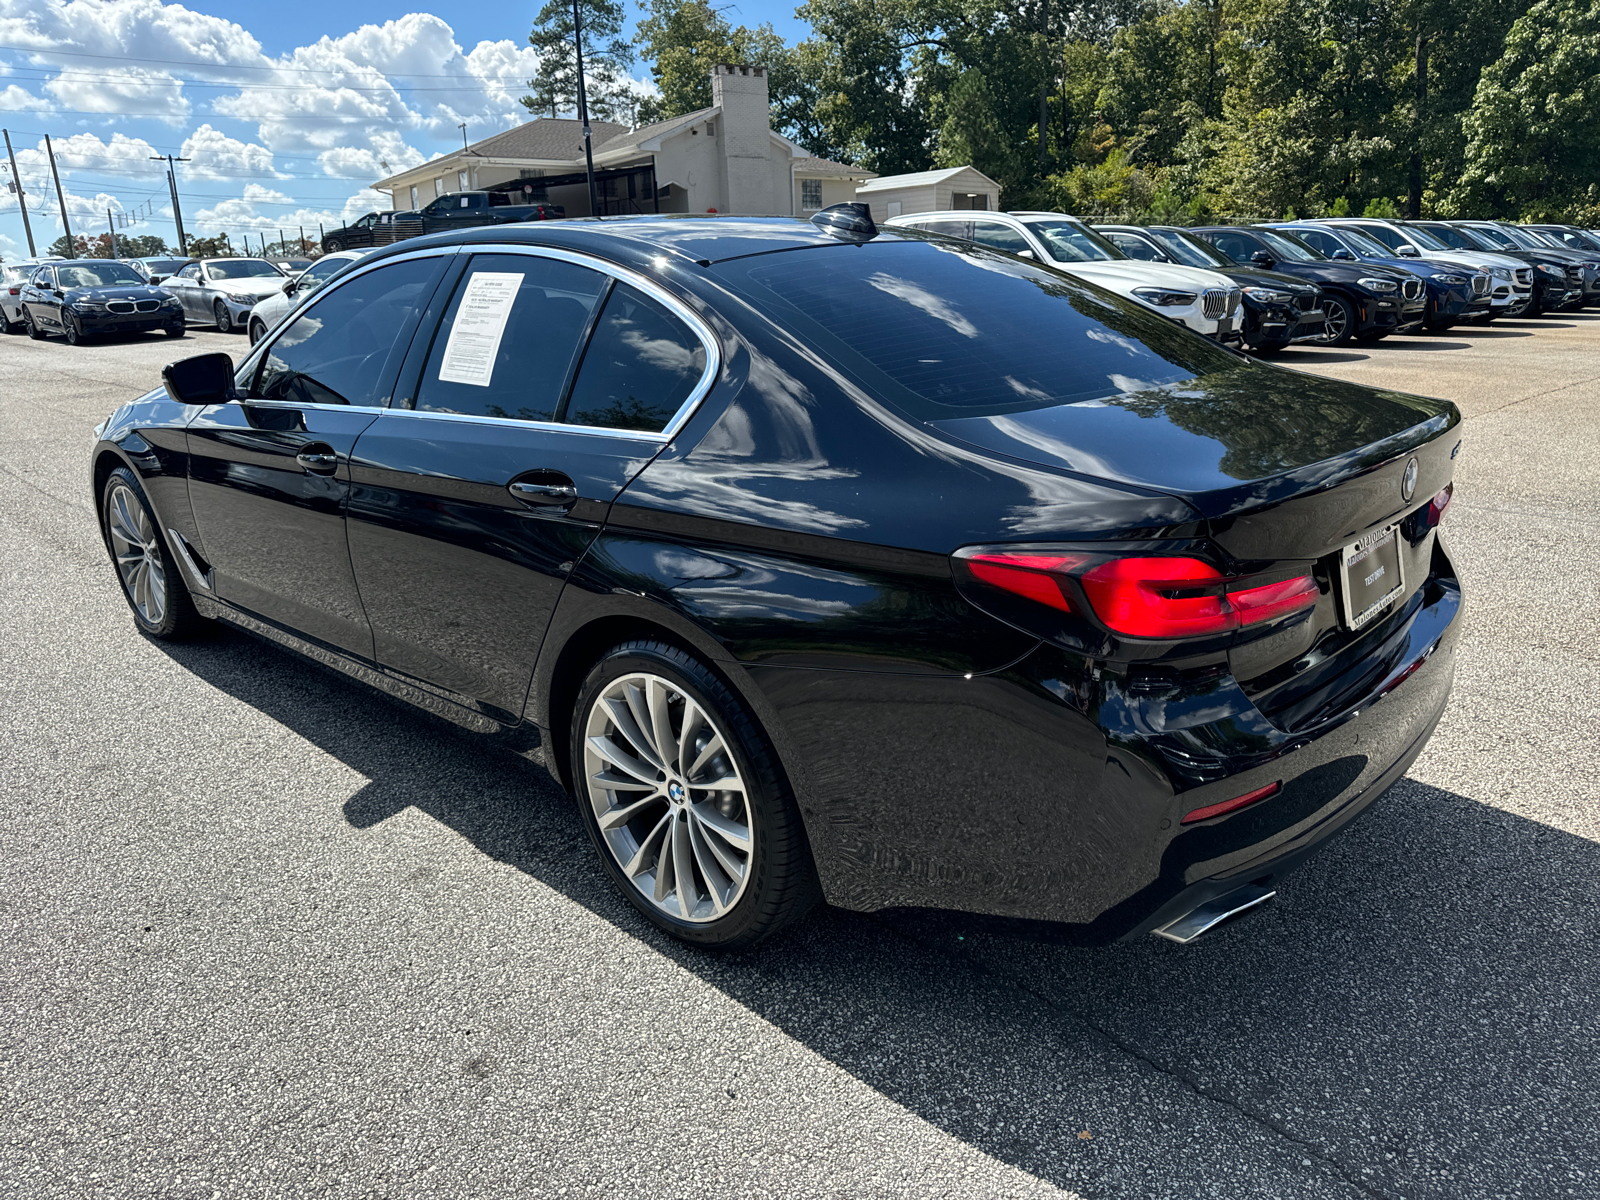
(223, 291)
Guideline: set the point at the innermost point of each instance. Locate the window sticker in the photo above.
(480, 323)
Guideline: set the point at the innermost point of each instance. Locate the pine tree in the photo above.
(606, 55)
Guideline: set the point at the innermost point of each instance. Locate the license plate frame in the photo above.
(1380, 549)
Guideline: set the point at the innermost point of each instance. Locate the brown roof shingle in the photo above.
(558, 138)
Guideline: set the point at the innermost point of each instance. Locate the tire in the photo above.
(7, 325)
(151, 583)
(1340, 321)
(224, 320)
(334, 246)
(743, 848)
(34, 331)
(74, 332)
(257, 331)
(176, 331)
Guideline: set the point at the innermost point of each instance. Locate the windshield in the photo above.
(1287, 247)
(1424, 237)
(1190, 250)
(943, 329)
(1495, 237)
(1576, 239)
(243, 268)
(1540, 238)
(1069, 241)
(110, 274)
(1482, 240)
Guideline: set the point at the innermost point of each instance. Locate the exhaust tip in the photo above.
(1213, 913)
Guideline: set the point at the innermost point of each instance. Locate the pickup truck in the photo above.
(461, 210)
(374, 229)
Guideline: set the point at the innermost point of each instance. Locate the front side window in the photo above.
(1189, 250)
(947, 330)
(319, 271)
(341, 349)
(42, 279)
(810, 194)
(640, 367)
(1384, 234)
(1068, 241)
(1132, 245)
(192, 271)
(1287, 247)
(1237, 246)
(1001, 237)
(509, 340)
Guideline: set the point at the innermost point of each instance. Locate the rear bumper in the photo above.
(1054, 791)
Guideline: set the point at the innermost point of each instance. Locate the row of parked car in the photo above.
(86, 297)
(1327, 282)
(1262, 287)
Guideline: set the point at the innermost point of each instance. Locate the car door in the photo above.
(184, 286)
(551, 381)
(38, 296)
(270, 475)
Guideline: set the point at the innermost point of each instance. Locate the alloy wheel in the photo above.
(668, 797)
(137, 553)
(1333, 324)
(74, 334)
(27, 323)
(224, 319)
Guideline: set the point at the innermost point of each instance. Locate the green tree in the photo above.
(210, 247)
(606, 56)
(1533, 132)
(972, 133)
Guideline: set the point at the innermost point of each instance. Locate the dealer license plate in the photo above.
(1370, 570)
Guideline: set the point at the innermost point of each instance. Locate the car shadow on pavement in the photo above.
(1416, 1015)
(1297, 354)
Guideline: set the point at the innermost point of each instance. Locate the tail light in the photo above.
(1439, 503)
(1169, 597)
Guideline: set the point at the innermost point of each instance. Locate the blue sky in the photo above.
(286, 110)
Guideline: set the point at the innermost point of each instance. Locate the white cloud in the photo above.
(17, 99)
(212, 154)
(152, 94)
(245, 214)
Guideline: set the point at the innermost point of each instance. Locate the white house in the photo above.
(929, 191)
(724, 159)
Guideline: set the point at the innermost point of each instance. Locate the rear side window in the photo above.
(1001, 237)
(508, 341)
(1235, 245)
(1384, 234)
(1318, 240)
(344, 347)
(949, 330)
(640, 367)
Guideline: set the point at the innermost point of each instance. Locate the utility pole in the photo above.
(172, 185)
(111, 226)
(583, 110)
(463, 128)
(22, 201)
(72, 250)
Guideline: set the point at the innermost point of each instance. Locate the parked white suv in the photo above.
(1208, 302)
(266, 314)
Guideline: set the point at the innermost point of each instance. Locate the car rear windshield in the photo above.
(105, 274)
(942, 329)
(165, 266)
(243, 268)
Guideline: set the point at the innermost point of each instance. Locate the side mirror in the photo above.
(1343, 255)
(290, 287)
(1262, 259)
(1160, 258)
(203, 379)
(1408, 252)
(1025, 254)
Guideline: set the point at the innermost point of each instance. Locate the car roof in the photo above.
(693, 238)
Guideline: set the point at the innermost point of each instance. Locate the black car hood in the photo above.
(1233, 439)
(1343, 272)
(127, 291)
(1261, 277)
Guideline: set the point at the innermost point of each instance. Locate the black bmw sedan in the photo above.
(825, 561)
(82, 298)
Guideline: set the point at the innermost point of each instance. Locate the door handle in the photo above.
(318, 462)
(555, 491)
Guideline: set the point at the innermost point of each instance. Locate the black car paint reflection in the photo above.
(795, 533)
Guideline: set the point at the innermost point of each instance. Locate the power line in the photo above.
(177, 62)
(44, 76)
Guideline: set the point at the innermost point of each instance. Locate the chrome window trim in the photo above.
(252, 361)
(515, 423)
(649, 287)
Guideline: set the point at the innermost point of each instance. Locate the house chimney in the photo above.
(745, 138)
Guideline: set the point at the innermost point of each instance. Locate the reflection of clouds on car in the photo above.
(918, 297)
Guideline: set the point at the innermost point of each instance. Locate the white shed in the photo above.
(929, 191)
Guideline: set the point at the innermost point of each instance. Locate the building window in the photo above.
(894, 208)
(438, 186)
(461, 180)
(810, 194)
(530, 173)
(413, 195)
(711, 129)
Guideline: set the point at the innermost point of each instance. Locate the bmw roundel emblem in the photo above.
(675, 792)
(1408, 481)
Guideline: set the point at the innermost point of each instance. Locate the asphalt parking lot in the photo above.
(268, 934)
